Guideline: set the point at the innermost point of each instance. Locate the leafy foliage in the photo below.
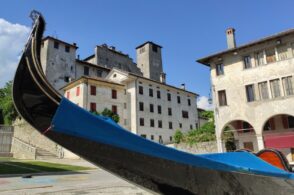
(108, 113)
(178, 136)
(203, 134)
(206, 114)
(9, 112)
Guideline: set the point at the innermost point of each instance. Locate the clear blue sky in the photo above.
(187, 30)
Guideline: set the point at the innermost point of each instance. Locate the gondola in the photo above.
(152, 166)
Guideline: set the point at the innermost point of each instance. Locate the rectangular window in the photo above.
(189, 102)
(170, 125)
(151, 107)
(125, 105)
(250, 93)
(92, 107)
(288, 85)
(185, 114)
(179, 99)
(114, 109)
(275, 88)
(259, 58)
(151, 122)
(67, 48)
(180, 125)
(159, 109)
(160, 139)
(159, 124)
(158, 94)
(141, 90)
(151, 92)
(170, 138)
(270, 55)
(263, 90)
(154, 48)
(66, 79)
(143, 135)
(219, 69)
(222, 98)
(168, 97)
(78, 91)
(191, 127)
(283, 52)
(93, 90)
(141, 106)
(141, 121)
(114, 94)
(99, 73)
(247, 62)
(56, 45)
(152, 137)
(86, 70)
(169, 111)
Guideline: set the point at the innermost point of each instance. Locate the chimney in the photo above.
(183, 86)
(162, 77)
(231, 42)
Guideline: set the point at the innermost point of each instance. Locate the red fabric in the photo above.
(281, 140)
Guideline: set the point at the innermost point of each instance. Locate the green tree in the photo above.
(203, 134)
(207, 114)
(108, 113)
(9, 112)
(178, 136)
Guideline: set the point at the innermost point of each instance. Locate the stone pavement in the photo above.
(91, 182)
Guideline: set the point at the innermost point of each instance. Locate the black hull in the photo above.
(37, 103)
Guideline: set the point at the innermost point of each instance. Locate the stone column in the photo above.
(260, 143)
(219, 145)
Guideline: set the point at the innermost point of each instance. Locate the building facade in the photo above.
(138, 93)
(252, 87)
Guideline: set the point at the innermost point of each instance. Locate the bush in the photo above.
(108, 113)
(204, 134)
(178, 136)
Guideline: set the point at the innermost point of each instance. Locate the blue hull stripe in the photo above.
(73, 120)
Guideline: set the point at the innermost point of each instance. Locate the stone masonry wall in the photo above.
(199, 148)
(26, 133)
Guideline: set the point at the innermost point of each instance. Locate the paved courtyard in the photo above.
(87, 182)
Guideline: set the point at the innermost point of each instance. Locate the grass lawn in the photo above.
(21, 167)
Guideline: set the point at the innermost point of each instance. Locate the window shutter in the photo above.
(78, 91)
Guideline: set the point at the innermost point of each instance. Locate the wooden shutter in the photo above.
(78, 91)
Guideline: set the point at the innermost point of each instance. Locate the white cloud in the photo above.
(12, 40)
(204, 103)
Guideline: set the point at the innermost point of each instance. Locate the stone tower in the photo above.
(58, 61)
(149, 60)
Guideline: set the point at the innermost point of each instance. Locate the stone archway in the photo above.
(278, 133)
(239, 134)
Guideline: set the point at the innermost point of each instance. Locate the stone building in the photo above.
(147, 106)
(252, 87)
